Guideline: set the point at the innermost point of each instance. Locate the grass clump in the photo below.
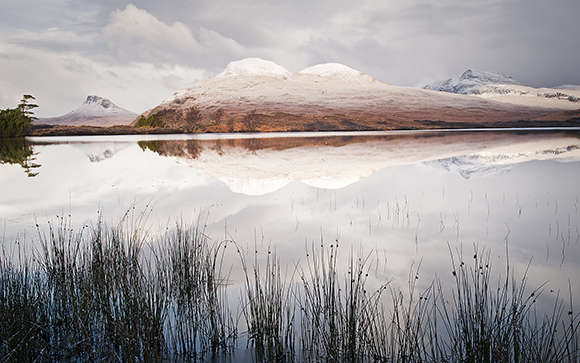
(337, 320)
(269, 311)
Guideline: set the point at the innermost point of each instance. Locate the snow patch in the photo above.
(471, 81)
(526, 95)
(569, 87)
(251, 67)
(337, 71)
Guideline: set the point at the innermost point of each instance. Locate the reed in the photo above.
(117, 294)
(338, 321)
(269, 311)
(95, 295)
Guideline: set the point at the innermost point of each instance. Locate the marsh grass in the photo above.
(338, 321)
(105, 294)
(116, 294)
(269, 310)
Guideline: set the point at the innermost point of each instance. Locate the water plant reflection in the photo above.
(18, 151)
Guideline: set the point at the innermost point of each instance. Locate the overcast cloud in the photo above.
(138, 53)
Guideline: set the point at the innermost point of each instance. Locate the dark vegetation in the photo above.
(183, 148)
(18, 151)
(152, 120)
(114, 294)
(251, 121)
(184, 120)
(67, 130)
(14, 121)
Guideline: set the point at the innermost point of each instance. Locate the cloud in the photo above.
(61, 80)
(137, 55)
(136, 35)
(58, 40)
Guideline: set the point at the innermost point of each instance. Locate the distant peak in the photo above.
(488, 77)
(253, 67)
(103, 102)
(471, 81)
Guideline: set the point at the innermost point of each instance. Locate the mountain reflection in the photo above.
(18, 151)
(433, 142)
(258, 164)
(181, 148)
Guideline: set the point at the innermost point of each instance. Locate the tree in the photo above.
(14, 121)
(25, 107)
(153, 120)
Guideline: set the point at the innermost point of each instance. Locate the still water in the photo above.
(409, 197)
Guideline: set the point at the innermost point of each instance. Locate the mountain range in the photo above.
(258, 95)
(497, 86)
(95, 111)
(471, 82)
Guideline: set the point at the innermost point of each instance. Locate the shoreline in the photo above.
(69, 130)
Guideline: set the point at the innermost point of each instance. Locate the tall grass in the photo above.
(103, 294)
(116, 294)
(472, 321)
(269, 311)
(338, 321)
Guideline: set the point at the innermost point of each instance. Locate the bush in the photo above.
(185, 120)
(153, 120)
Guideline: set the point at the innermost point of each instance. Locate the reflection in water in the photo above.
(182, 148)
(263, 165)
(18, 151)
(411, 196)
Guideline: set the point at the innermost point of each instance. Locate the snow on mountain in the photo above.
(95, 111)
(496, 86)
(335, 97)
(568, 87)
(338, 72)
(253, 67)
(524, 95)
(471, 81)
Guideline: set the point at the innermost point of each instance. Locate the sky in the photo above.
(139, 53)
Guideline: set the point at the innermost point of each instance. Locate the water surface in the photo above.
(407, 196)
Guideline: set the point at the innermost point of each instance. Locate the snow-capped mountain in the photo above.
(95, 111)
(331, 97)
(471, 81)
(497, 86)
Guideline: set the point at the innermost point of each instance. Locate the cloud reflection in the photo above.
(386, 192)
